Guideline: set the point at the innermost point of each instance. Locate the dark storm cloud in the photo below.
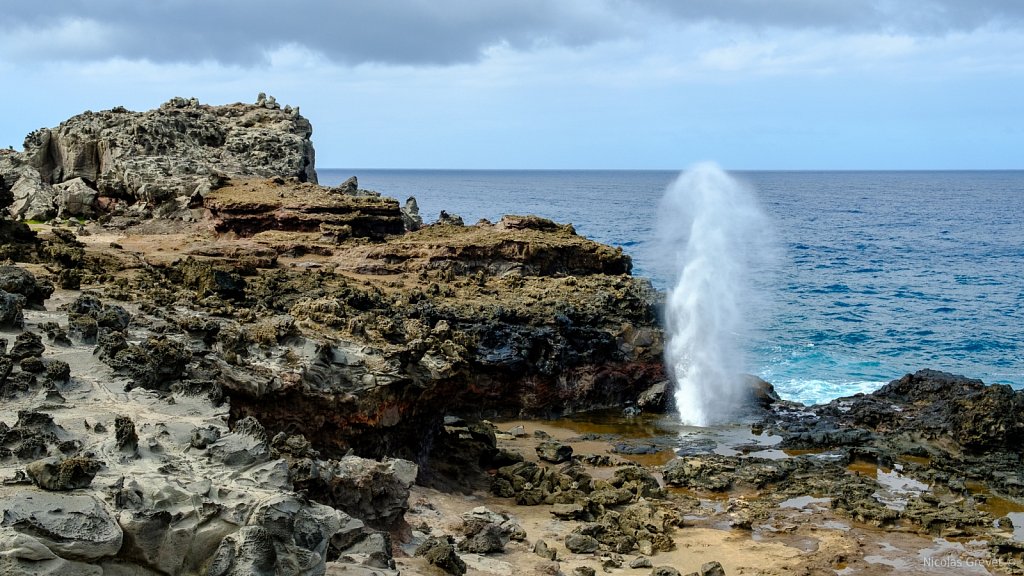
(348, 31)
(431, 31)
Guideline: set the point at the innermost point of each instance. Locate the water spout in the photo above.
(711, 225)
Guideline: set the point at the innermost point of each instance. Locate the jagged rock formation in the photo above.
(252, 206)
(303, 316)
(176, 153)
(133, 480)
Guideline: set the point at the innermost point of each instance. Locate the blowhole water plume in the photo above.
(712, 230)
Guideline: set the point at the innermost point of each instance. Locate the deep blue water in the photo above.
(879, 274)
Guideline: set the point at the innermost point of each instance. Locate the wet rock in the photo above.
(17, 280)
(581, 544)
(656, 398)
(83, 328)
(702, 472)
(63, 473)
(26, 345)
(155, 364)
(125, 437)
(638, 481)
(11, 310)
(77, 526)
(58, 371)
(33, 364)
(441, 553)
(554, 452)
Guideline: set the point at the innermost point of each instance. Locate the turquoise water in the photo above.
(878, 274)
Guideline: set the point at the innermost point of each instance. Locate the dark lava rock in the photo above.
(665, 571)
(83, 327)
(27, 344)
(555, 452)
(155, 364)
(489, 538)
(124, 433)
(63, 474)
(441, 553)
(58, 371)
(17, 280)
(33, 364)
(581, 543)
(10, 310)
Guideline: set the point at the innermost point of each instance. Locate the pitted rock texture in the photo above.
(180, 150)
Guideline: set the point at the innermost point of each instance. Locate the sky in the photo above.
(552, 84)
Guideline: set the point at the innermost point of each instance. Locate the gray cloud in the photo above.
(908, 16)
(347, 31)
(431, 31)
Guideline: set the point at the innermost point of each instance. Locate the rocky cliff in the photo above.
(94, 161)
(216, 367)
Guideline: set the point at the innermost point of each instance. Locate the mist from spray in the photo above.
(711, 227)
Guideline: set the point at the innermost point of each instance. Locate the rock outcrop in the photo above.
(249, 207)
(174, 154)
(256, 388)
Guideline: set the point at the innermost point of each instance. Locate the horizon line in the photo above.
(680, 169)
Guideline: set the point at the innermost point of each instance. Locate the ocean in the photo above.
(877, 274)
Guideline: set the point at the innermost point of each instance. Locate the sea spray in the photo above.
(713, 232)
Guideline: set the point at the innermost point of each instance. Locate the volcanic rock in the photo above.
(441, 553)
(63, 474)
(247, 207)
(177, 151)
(73, 526)
(17, 280)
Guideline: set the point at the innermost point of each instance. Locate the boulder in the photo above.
(441, 553)
(34, 199)
(376, 492)
(75, 198)
(11, 310)
(712, 568)
(554, 452)
(665, 571)
(27, 556)
(17, 280)
(26, 345)
(63, 473)
(73, 526)
(248, 552)
(581, 543)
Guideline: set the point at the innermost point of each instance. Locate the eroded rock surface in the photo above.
(175, 153)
